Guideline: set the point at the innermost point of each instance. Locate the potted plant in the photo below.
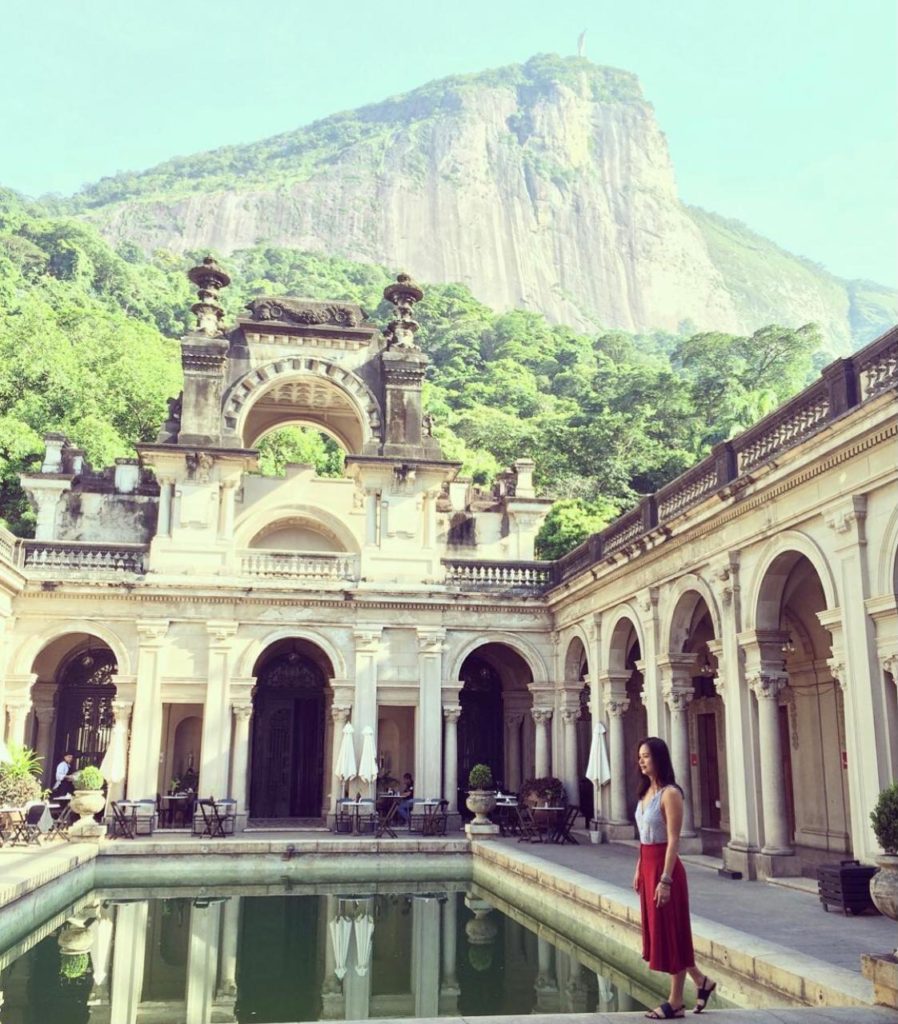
(74, 966)
(884, 886)
(481, 793)
(88, 798)
(546, 791)
(20, 777)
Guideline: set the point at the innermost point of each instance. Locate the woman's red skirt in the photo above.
(666, 931)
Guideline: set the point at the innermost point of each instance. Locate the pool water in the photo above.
(215, 958)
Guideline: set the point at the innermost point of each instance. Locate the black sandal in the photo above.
(704, 994)
(668, 1012)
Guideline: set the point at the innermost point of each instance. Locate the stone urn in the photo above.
(75, 939)
(884, 886)
(480, 802)
(481, 928)
(86, 803)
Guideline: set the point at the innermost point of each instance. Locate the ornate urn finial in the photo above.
(403, 293)
(209, 278)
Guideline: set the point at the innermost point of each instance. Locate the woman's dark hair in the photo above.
(663, 766)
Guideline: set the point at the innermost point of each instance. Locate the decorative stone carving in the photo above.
(151, 631)
(221, 632)
(842, 518)
(890, 665)
(616, 707)
(367, 640)
(837, 670)
(542, 716)
(767, 685)
(452, 713)
(400, 332)
(307, 312)
(431, 641)
(199, 466)
(678, 699)
(340, 714)
(209, 279)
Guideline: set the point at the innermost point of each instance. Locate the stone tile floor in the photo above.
(813, 1015)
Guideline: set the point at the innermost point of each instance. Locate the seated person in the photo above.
(63, 785)
(408, 798)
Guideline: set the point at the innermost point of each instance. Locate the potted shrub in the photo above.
(74, 966)
(546, 791)
(884, 886)
(20, 777)
(88, 798)
(481, 794)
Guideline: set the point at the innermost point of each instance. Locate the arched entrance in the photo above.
(627, 723)
(495, 727)
(84, 715)
(288, 735)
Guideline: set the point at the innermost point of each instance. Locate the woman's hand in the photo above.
(636, 880)
(662, 894)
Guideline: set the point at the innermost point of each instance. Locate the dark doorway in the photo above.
(481, 723)
(786, 750)
(288, 739)
(709, 774)
(84, 716)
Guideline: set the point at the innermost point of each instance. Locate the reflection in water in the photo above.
(291, 958)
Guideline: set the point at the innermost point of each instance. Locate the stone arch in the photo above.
(25, 657)
(614, 633)
(682, 600)
(765, 592)
(255, 649)
(576, 655)
(244, 395)
(887, 568)
(256, 520)
(524, 648)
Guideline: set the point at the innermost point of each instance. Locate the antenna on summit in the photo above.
(581, 44)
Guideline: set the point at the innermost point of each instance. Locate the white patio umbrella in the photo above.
(364, 936)
(346, 767)
(101, 949)
(113, 765)
(368, 760)
(598, 770)
(341, 932)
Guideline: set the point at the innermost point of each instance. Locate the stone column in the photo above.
(242, 712)
(616, 704)
(45, 712)
(128, 952)
(121, 734)
(18, 708)
(364, 706)
(202, 962)
(676, 672)
(163, 521)
(230, 936)
(513, 778)
(569, 718)
(449, 990)
(143, 762)
(215, 757)
(541, 718)
(766, 687)
(428, 728)
(451, 715)
(339, 716)
(426, 955)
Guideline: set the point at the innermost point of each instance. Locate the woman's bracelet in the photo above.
(666, 880)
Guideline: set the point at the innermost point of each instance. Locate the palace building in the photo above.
(228, 624)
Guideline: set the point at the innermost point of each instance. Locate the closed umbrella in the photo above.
(346, 768)
(101, 949)
(341, 932)
(368, 761)
(598, 770)
(364, 936)
(113, 765)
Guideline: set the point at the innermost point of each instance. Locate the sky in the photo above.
(779, 113)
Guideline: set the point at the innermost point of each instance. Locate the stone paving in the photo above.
(787, 916)
(813, 1015)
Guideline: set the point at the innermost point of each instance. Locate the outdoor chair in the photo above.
(436, 824)
(530, 831)
(60, 827)
(563, 834)
(344, 817)
(211, 821)
(386, 821)
(366, 820)
(227, 808)
(28, 830)
(145, 817)
(123, 821)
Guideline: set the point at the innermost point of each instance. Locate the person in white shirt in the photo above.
(62, 771)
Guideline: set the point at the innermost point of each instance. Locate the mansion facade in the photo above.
(228, 625)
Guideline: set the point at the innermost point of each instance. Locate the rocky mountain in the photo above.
(546, 186)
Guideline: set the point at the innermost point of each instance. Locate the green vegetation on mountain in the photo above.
(88, 347)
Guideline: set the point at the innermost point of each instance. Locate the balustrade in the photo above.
(83, 556)
(300, 565)
(472, 574)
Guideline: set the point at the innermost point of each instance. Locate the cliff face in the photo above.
(547, 186)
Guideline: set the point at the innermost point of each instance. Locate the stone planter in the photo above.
(86, 803)
(73, 940)
(480, 803)
(884, 886)
(480, 928)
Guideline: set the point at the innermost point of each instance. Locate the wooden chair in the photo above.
(366, 818)
(436, 823)
(211, 820)
(528, 827)
(344, 817)
(386, 821)
(563, 833)
(60, 827)
(28, 830)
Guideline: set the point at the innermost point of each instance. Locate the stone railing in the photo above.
(8, 545)
(471, 574)
(842, 386)
(78, 556)
(298, 565)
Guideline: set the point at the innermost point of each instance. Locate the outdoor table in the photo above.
(174, 804)
(548, 820)
(507, 817)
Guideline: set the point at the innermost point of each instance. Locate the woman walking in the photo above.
(661, 881)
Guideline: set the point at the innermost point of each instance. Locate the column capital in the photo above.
(242, 710)
(836, 665)
(151, 631)
(452, 713)
(767, 685)
(890, 665)
(18, 704)
(541, 715)
(570, 715)
(221, 632)
(513, 718)
(22, 683)
(121, 710)
(367, 640)
(678, 698)
(616, 706)
(340, 713)
(43, 705)
(431, 641)
(846, 517)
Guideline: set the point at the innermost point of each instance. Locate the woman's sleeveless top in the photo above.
(650, 821)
